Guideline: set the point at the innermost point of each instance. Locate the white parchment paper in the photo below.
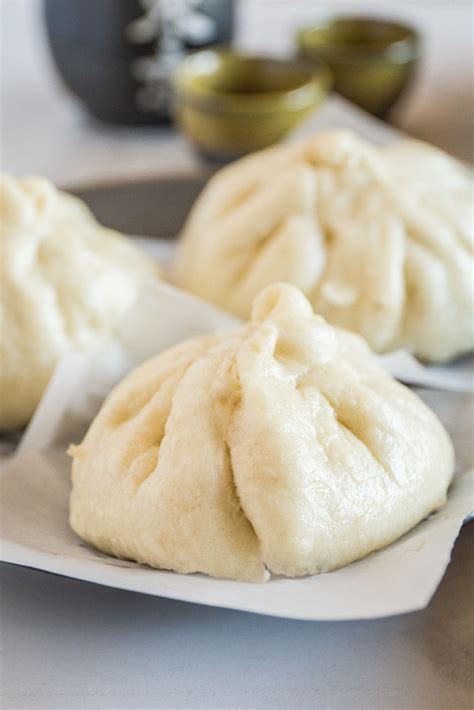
(35, 485)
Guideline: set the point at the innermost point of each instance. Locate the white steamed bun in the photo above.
(65, 282)
(280, 448)
(380, 240)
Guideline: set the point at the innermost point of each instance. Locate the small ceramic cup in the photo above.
(229, 104)
(372, 60)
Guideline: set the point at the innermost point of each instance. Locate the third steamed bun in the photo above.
(66, 282)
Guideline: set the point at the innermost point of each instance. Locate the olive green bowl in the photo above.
(229, 104)
(372, 60)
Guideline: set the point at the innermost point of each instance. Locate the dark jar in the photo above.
(116, 56)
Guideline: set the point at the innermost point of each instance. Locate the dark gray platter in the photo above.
(159, 207)
(154, 207)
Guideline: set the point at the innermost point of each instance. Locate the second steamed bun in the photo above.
(379, 239)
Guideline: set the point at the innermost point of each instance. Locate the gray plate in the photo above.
(155, 208)
(159, 207)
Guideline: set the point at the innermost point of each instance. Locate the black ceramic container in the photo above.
(117, 55)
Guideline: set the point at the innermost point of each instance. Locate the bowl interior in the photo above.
(356, 35)
(221, 73)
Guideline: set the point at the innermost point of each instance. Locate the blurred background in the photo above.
(46, 129)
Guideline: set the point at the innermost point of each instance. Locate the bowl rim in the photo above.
(409, 44)
(316, 83)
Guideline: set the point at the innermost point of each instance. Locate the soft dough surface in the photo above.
(280, 448)
(380, 240)
(65, 282)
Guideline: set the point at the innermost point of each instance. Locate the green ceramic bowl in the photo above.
(229, 104)
(372, 60)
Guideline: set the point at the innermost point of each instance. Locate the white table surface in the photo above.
(68, 644)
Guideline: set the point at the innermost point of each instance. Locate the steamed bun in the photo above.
(380, 240)
(65, 282)
(282, 447)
